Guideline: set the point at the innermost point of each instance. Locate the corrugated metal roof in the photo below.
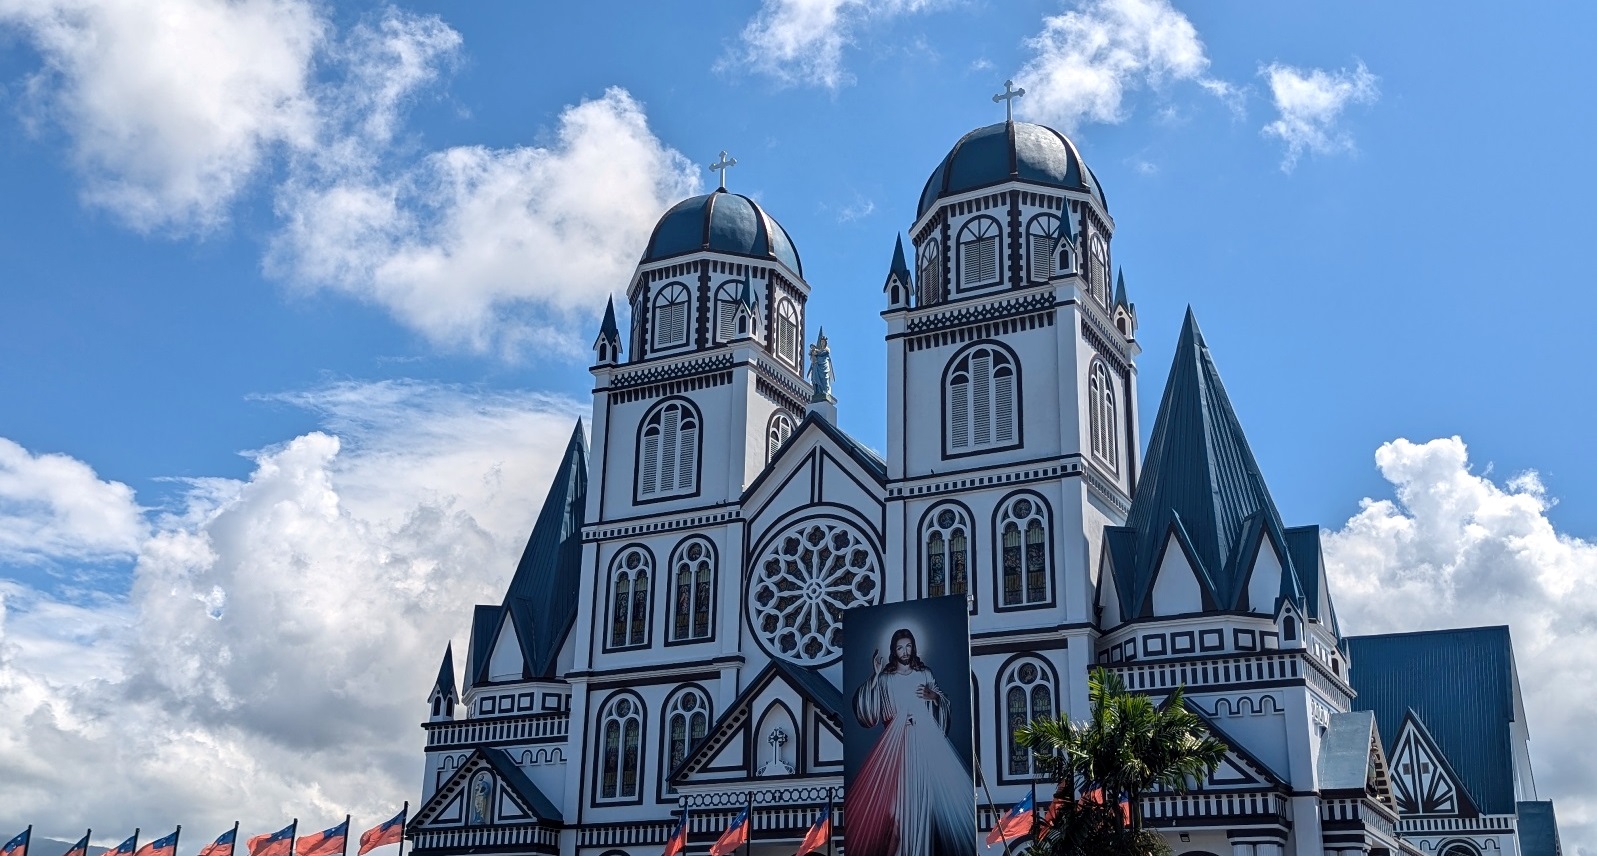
(1345, 751)
(445, 685)
(1538, 830)
(542, 599)
(1460, 683)
(513, 776)
(1202, 484)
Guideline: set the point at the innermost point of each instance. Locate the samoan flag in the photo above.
(279, 843)
(160, 847)
(383, 834)
(678, 842)
(126, 848)
(18, 846)
(734, 837)
(79, 849)
(1015, 823)
(222, 846)
(325, 843)
(1045, 821)
(820, 834)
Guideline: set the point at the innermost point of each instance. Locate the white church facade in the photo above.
(671, 637)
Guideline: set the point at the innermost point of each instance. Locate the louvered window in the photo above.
(1042, 239)
(668, 451)
(787, 333)
(1103, 416)
(929, 266)
(978, 253)
(777, 431)
(671, 316)
(982, 401)
(727, 304)
(1099, 275)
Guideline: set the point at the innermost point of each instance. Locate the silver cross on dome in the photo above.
(1008, 96)
(722, 165)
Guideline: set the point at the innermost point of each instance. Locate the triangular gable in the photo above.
(1239, 769)
(728, 743)
(858, 462)
(512, 798)
(1423, 782)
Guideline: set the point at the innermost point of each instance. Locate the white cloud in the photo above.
(172, 106)
(53, 507)
(1310, 103)
(1456, 549)
(491, 249)
(281, 631)
(801, 42)
(1085, 61)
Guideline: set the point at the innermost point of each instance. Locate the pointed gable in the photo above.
(541, 604)
(1423, 782)
(1351, 757)
(444, 686)
(731, 745)
(1200, 481)
(511, 797)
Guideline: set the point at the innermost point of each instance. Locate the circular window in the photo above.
(801, 585)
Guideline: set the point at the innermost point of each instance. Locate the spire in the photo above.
(896, 287)
(747, 295)
(608, 345)
(1120, 292)
(445, 685)
(1067, 229)
(900, 268)
(542, 599)
(608, 328)
(1201, 483)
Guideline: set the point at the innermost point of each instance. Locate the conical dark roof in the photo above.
(1202, 484)
(445, 685)
(542, 600)
(608, 330)
(899, 267)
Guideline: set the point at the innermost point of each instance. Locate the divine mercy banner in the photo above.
(907, 739)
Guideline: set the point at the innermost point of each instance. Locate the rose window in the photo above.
(802, 584)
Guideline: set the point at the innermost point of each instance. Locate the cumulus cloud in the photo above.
(1085, 60)
(1454, 548)
(801, 42)
(172, 106)
(54, 507)
(474, 246)
(281, 631)
(1310, 103)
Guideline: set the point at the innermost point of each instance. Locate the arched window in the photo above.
(1102, 416)
(1042, 238)
(981, 400)
(929, 272)
(776, 433)
(671, 316)
(668, 450)
(945, 536)
(1028, 692)
(692, 589)
(1289, 629)
(726, 311)
(629, 597)
(978, 253)
(787, 332)
(687, 720)
(1098, 282)
(1023, 550)
(621, 735)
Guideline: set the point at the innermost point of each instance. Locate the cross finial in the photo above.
(722, 165)
(1008, 96)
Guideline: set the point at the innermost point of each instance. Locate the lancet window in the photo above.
(668, 450)
(687, 721)
(929, 273)
(1103, 417)
(981, 400)
(1099, 273)
(630, 574)
(621, 737)
(947, 544)
(1023, 560)
(1028, 691)
(692, 589)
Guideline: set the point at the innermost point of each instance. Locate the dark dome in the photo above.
(1009, 151)
(725, 223)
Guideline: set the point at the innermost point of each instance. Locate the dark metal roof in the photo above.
(445, 685)
(1009, 151)
(1201, 484)
(484, 624)
(1460, 683)
(608, 330)
(512, 776)
(899, 267)
(721, 222)
(1538, 830)
(1345, 751)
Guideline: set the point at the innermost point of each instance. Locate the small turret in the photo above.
(897, 286)
(1065, 246)
(1125, 312)
(444, 696)
(608, 345)
(748, 310)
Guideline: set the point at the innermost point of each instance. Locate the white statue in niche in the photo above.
(481, 790)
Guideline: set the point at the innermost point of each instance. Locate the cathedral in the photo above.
(670, 640)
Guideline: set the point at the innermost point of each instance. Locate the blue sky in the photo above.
(292, 288)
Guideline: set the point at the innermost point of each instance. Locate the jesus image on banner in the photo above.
(911, 796)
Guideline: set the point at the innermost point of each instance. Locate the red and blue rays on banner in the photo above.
(325, 843)
(161, 846)
(81, 848)
(18, 846)
(385, 833)
(222, 846)
(126, 848)
(1015, 823)
(734, 837)
(820, 834)
(678, 842)
(279, 843)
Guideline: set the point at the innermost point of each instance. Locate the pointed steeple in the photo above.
(1201, 484)
(896, 286)
(542, 599)
(1120, 291)
(899, 267)
(608, 345)
(445, 685)
(1067, 227)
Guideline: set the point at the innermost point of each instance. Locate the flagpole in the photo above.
(176, 833)
(87, 833)
(232, 846)
(748, 835)
(1033, 834)
(404, 821)
(293, 836)
(135, 841)
(831, 794)
(28, 848)
(345, 851)
(991, 806)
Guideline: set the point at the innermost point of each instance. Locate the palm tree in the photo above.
(1128, 747)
